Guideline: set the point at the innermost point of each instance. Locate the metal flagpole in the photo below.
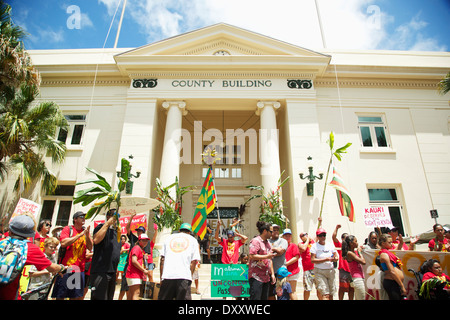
(120, 23)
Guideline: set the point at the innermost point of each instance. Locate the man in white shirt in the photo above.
(179, 256)
(323, 255)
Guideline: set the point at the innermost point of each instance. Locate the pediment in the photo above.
(220, 49)
(221, 39)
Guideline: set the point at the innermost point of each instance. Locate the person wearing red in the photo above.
(344, 270)
(292, 256)
(230, 252)
(308, 267)
(439, 243)
(21, 228)
(42, 233)
(136, 272)
(76, 240)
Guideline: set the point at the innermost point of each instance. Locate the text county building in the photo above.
(270, 105)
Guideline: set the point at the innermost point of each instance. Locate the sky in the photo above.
(346, 24)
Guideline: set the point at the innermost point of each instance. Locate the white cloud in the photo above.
(347, 24)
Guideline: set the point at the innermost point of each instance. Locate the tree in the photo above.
(444, 85)
(334, 153)
(28, 134)
(15, 63)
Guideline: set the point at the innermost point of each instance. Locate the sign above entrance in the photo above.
(226, 84)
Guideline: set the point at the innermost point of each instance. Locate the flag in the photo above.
(344, 201)
(206, 203)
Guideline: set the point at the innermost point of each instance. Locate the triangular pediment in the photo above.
(202, 52)
(221, 39)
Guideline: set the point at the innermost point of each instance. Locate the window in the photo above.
(224, 173)
(388, 197)
(373, 132)
(57, 207)
(74, 135)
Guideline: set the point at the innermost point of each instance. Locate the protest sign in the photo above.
(24, 206)
(229, 280)
(377, 217)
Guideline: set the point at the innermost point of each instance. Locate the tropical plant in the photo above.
(168, 214)
(27, 134)
(334, 153)
(444, 85)
(103, 192)
(15, 63)
(272, 203)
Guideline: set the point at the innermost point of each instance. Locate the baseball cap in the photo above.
(78, 214)
(287, 231)
(143, 236)
(22, 226)
(320, 231)
(186, 226)
(140, 228)
(283, 272)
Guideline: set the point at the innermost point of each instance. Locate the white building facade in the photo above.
(272, 105)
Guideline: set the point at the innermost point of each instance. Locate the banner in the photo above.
(377, 217)
(25, 205)
(138, 221)
(229, 280)
(410, 260)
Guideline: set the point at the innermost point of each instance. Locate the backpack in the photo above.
(62, 251)
(13, 255)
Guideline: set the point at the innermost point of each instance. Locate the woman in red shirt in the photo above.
(292, 255)
(136, 271)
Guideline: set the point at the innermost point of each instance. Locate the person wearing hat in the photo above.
(106, 258)
(136, 272)
(230, 252)
(179, 256)
(292, 257)
(74, 240)
(148, 249)
(20, 228)
(323, 255)
(283, 290)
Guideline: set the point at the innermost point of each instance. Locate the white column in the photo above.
(268, 144)
(170, 161)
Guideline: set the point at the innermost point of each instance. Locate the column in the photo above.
(268, 144)
(170, 161)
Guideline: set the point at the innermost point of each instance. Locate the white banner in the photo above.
(410, 260)
(24, 206)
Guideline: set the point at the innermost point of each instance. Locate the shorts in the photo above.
(259, 290)
(134, 281)
(70, 285)
(294, 277)
(178, 289)
(325, 280)
(308, 280)
(345, 279)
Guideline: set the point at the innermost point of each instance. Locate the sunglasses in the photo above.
(322, 235)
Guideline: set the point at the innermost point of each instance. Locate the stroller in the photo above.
(433, 289)
(42, 292)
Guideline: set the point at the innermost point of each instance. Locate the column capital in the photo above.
(261, 104)
(180, 104)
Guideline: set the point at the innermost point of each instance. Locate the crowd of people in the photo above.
(79, 261)
(275, 262)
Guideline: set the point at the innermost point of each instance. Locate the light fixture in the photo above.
(129, 186)
(311, 177)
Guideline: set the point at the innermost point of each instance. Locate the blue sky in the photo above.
(347, 24)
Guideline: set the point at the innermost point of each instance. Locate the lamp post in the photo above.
(129, 186)
(311, 177)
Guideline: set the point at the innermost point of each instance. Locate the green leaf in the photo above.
(331, 140)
